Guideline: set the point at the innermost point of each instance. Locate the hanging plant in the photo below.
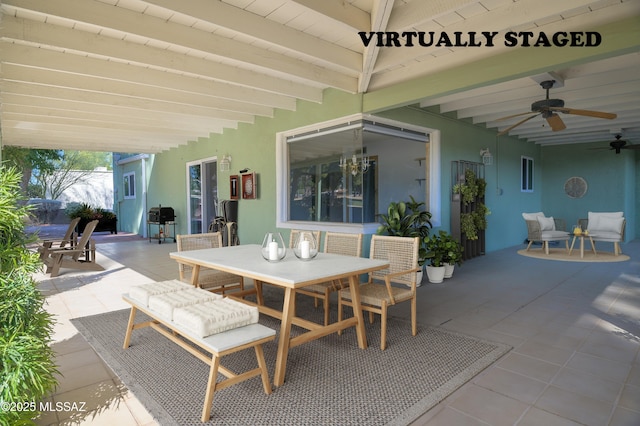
(470, 188)
(480, 216)
(468, 226)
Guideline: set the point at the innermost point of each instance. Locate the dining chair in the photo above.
(389, 286)
(68, 240)
(336, 243)
(208, 279)
(295, 232)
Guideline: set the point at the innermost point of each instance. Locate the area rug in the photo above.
(328, 381)
(562, 255)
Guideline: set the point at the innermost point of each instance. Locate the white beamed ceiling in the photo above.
(147, 76)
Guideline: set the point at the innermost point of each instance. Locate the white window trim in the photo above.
(129, 175)
(282, 173)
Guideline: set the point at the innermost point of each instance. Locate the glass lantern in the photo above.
(273, 248)
(305, 246)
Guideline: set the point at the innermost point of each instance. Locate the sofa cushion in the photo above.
(606, 236)
(554, 235)
(532, 216)
(599, 222)
(546, 223)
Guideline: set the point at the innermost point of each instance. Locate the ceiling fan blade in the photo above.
(507, 130)
(631, 147)
(585, 112)
(515, 115)
(555, 122)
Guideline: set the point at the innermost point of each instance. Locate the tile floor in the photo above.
(574, 328)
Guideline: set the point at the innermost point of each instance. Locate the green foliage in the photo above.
(88, 212)
(27, 370)
(407, 219)
(442, 248)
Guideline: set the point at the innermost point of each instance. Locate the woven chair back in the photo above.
(294, 234)
(197, 242)
(344, 244)
(402, 254)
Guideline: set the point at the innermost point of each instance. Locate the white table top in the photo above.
(247, 260)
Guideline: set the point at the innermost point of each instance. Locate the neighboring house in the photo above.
(95, 189)
(130, 191)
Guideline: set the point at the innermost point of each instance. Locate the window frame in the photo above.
(129, 182)
(283, 172)
(526, 174)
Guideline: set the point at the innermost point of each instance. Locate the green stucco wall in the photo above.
(611, 180)
(253, 146)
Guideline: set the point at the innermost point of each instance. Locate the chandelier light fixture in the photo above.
(353, 165)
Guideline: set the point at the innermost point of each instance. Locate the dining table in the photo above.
(290, 274)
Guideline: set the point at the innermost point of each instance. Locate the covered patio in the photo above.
(573, 327)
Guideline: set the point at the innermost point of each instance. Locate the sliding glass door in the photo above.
(202, 194)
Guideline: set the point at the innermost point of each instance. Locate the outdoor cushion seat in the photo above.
(207, 318)
(165, 304)
(606, 227)
(544, 229)
(141, 293)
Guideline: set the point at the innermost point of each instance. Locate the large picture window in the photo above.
(340, 175)
(129, 186)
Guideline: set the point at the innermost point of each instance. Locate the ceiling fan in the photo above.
(548, 108)
(619, 144)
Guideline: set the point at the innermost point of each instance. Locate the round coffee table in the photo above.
(582, 237)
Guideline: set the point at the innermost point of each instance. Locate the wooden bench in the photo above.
(218, 345)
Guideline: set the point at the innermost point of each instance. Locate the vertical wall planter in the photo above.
(468, 211)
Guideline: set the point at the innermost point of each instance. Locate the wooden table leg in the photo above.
(581, 247)
(288, 311)
(573, 241)
(194, 275)
(354, 286)
(127, 336)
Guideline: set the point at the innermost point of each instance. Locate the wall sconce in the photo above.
(354, 166)
(225, 163)
(487, 157)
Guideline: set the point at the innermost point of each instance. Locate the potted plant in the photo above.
(435, 252)
(107, 220)
(452, 253)
(407, 219)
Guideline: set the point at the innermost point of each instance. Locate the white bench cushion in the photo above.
(165, 304)
(205, 319)
(141, 293)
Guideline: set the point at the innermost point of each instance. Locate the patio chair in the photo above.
(69, 239)
(544, 229)
(294, 234)
(336, 243)
(389, 286)
(208, 279)
(81, 256)
(607, 227)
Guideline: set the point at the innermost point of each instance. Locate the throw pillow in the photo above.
(547, 223)
(532, 216)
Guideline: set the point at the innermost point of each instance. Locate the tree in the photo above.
(47, 173)
(27, 160)
(73, 167)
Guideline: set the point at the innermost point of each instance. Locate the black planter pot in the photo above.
(103, 225)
